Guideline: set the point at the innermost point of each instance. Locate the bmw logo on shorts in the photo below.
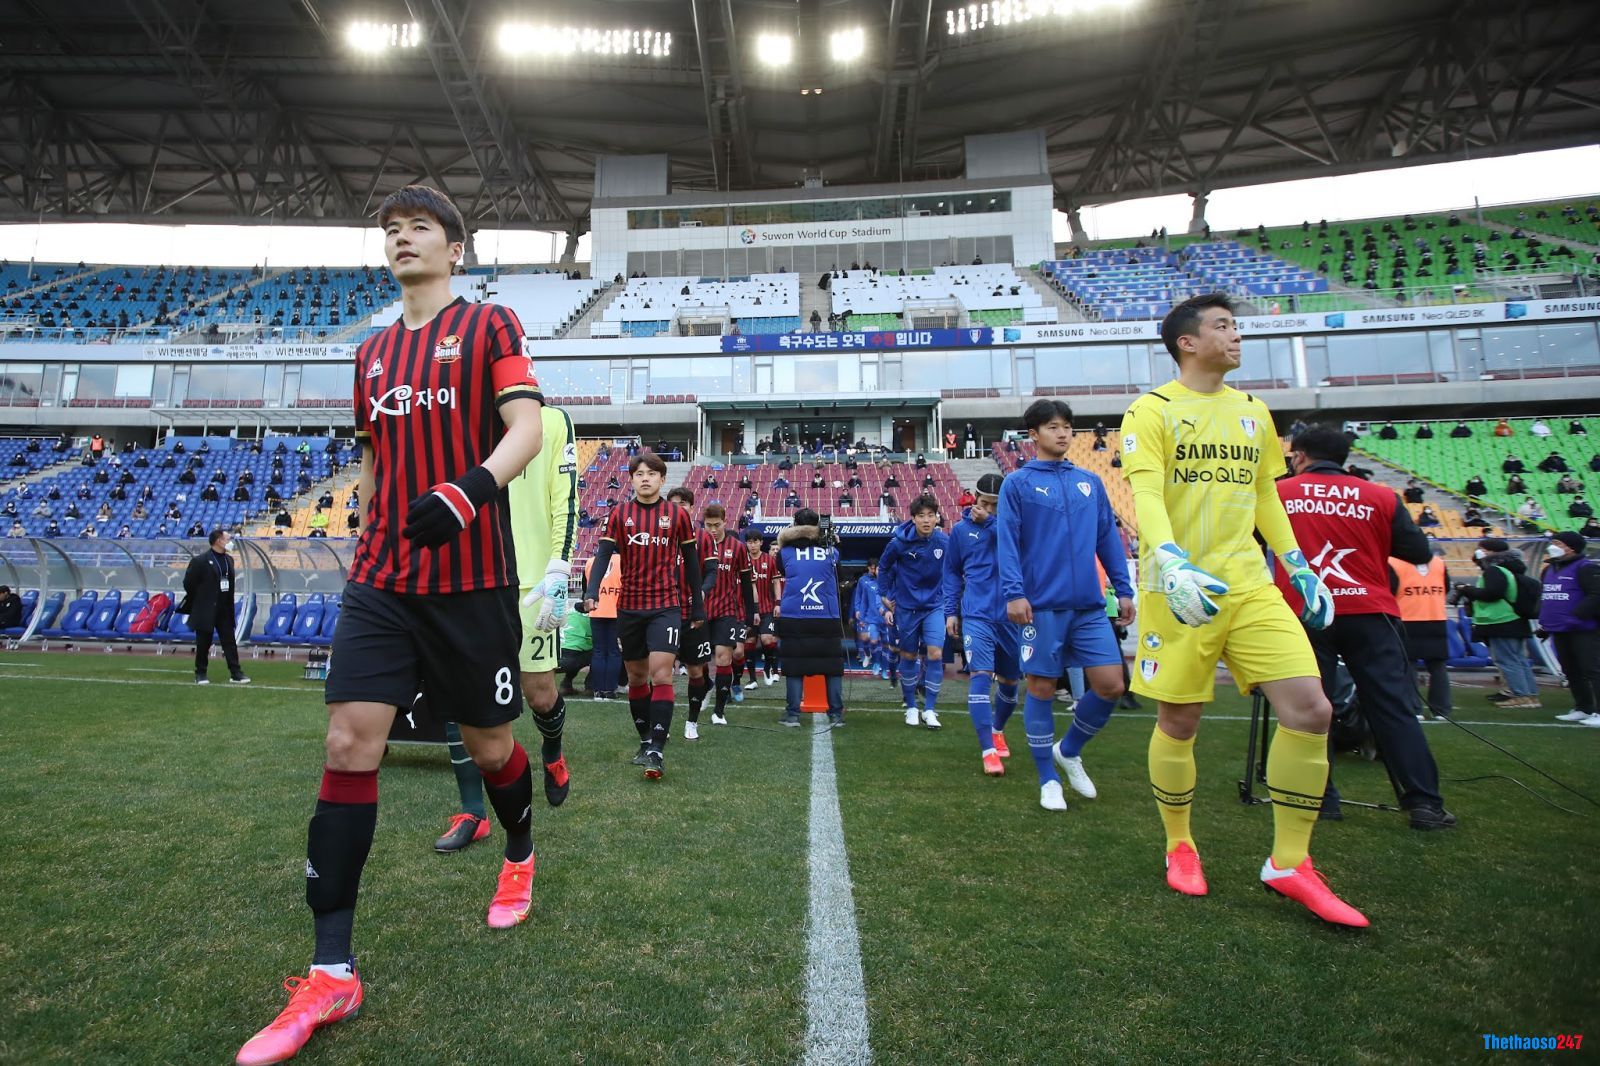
(1151, 641)
(1029, 633)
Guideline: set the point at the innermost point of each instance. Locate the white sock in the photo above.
(340, 970)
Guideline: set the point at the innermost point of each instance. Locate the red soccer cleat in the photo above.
(992, 764)
(1000, 748)
(1183, 871)
(513, 894)
(1306, 887)
(314, 1001)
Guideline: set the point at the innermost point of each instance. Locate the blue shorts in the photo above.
(916, 630)
(990, 646)
(874, 630)
(1059, 639)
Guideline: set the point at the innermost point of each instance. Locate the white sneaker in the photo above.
(1073, 768)
(911, 716)
(1050, 797)
(1593, 721)
(772, 679)
(718, 719)
(691, 731)
(1066, 700)
(1572, 716)
(930, 719)
(752, 685)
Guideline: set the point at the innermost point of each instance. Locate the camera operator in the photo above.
(809, 637)
(1352, 527)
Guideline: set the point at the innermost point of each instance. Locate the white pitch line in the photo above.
(836, 995)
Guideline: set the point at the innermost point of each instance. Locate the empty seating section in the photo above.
(605, 463)
(155, 488)
(120, 299)
(467, 286)
(992, 293)
(545, 303)
(1567, 220)
(152, 617)
(760, 303)
(1450, 462)
(1114, 284)
(774, 502)
(309, 297)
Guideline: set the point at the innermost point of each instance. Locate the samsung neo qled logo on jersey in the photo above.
(400, 400)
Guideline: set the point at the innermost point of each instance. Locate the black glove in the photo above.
(440, 514)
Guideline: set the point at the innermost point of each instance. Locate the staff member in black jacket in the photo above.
(809, 627)
(208, 587)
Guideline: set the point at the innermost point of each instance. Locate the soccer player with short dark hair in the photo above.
(1201, 459)
(731, 606)
(660, 565)
(447, 408)
(694, 648)
(975, 614)
(1054, 525)
(761, 651)
(911, 578)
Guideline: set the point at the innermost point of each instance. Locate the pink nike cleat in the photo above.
(314, 1001)
(1305, 886)
(992, 764)
(1000, 747)
(513, 894)
(1183, 871)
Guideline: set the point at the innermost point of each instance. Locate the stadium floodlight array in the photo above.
(525, 39)
(969, 18)
(775, 49)
(378, 36)
(846, 46)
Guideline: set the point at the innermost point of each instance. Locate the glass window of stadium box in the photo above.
(321, 381)
(564, 378)
(243, 381)
(1263, 363)
(21, 382)
(709, 376)
(1516, 348)
(135, 381)
(1368, 355)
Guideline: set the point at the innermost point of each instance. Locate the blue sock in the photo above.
(932, 681)
(982, 713)
(1038, 717)
(1088, 717)
(1005, 701)
(908, 681)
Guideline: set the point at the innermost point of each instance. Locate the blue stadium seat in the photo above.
(308, 623)
(104, 615)
(47, 614)
(330, 620)
(280, 621)
(76, 616)
(1463, 652)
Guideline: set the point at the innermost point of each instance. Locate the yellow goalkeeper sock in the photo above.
(1297, 776)
(1172, 780)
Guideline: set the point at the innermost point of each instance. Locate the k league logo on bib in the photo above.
(1248, 425)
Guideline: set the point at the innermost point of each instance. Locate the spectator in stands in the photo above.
(1590, 529)
(1388, 432)
(612, 483)
(1461, 430)
(1413, 492)
(1476, 487)
(97, 445)
(1424, 431)
(1576, 428)
(1515, 485)
(103, 514)
(283, 519)
(72, 510)
(1427, 517)
(1594, 463)
(1568, 485)
(272, 496)
(1474, 517)
(891, 481)
(922, 461)
(10, 608)
(51, 529)
(17, 529)
(187, 477)
(173, 512)
(246, 477)
(1539, 428)
(326, 499)
(353, 501)
(102, 476)
(792, 500)
(317, 524)
(709, 481)
(43, 510)
(1503, 428)
(302, 481)
(845, 500)
(854, 482)
(1116, 460)
(1578, 508)
(90, 532)
(219, 476)
(780, 482)
(19, 460)
(785, 463)
(10, 509)
(1530, 512)
(209, 494)
(1358, 471)
(241, 494)
(1513, 465)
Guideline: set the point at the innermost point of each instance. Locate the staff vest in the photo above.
(610, 589)
(1422, 590)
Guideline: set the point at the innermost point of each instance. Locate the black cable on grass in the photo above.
(1519, 784)
(1554, 780)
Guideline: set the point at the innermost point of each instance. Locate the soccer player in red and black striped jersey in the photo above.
(763, 650)
(732, 607)
(694, 648)
(660, 561)
(447, 409)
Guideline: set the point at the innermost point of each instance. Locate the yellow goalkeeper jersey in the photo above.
(1214, 452)
(544, 500)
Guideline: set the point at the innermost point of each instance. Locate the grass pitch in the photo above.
(154, 842)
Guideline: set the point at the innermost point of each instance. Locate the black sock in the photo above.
(550, 726)
(698, 687)
(337, 842)
(510, 790)
(725, 683)
(639, 707)
(771, 655)
(660, 716)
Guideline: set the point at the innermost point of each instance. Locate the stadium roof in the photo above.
(236, 110)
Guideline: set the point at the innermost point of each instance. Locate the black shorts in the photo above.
(643, 632)
(694, 646)
(729, 632)
(460, 648)
(769, 626)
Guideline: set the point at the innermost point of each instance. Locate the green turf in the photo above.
(155, 838)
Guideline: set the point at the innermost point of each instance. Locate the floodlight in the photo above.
(968, 18)
(365, 36)
(775, 49)
(848, 45)
(525, 39)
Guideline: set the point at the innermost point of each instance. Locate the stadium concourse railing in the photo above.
(270, 572)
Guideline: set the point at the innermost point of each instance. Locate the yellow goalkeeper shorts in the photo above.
(1256, 635)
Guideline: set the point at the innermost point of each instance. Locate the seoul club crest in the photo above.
(447, 350)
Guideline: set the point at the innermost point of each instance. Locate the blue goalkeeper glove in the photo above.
(1191, 592)
(551, 596)
(439, 515)
(1318, 610)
